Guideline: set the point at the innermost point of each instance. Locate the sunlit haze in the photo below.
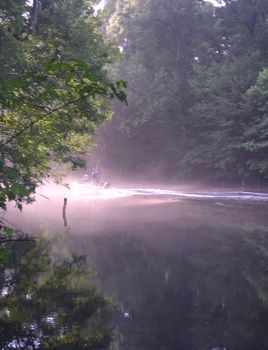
(101, 5)
(134, 186)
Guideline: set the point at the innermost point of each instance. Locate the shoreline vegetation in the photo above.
(159, 91)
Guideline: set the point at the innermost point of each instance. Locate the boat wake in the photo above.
(86, 191)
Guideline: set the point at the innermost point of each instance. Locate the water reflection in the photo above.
(182, 274)
(50, 305)
(198, 282)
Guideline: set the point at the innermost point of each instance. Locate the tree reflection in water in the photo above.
(47, 305)
(196, 280)
(208, 290)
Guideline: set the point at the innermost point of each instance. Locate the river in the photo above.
(185, 269)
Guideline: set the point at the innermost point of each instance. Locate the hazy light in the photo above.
(100, 6)
(215, 3)
(86, 192)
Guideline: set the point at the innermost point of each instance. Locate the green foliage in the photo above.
(4, 255)
(50, 102)
(157, 42)
(190, 68)
(51, 305)
(256, 136)
(8, 231)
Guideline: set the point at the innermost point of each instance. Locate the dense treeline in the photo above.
(197, 89)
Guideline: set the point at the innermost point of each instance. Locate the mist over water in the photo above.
(90, 209)
(189, 266)
(139, 92)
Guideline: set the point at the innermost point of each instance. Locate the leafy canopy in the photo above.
(50, 102)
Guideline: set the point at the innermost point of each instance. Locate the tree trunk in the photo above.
(34, 16)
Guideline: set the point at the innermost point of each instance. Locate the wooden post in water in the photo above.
(64, 212)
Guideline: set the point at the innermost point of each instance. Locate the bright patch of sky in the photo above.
(100, 6)
(102, 3)
(214, 2)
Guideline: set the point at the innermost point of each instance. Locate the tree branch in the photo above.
(40, 118)
(17, 240)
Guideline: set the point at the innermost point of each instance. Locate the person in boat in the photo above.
(85, 177)
(96, 176)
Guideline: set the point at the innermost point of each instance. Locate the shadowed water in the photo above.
(185, 269)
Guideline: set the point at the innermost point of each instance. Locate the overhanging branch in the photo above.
(18, 133)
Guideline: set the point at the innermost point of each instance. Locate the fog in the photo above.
(155, 248)
(131, 207)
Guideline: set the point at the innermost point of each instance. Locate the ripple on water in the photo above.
(87, 191)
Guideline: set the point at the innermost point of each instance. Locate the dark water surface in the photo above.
(185, 270)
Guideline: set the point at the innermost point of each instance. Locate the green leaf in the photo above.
(121, 84)
(69, 77)
(52, 67)
(4, 255)
(80, 64)
(8, 231)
